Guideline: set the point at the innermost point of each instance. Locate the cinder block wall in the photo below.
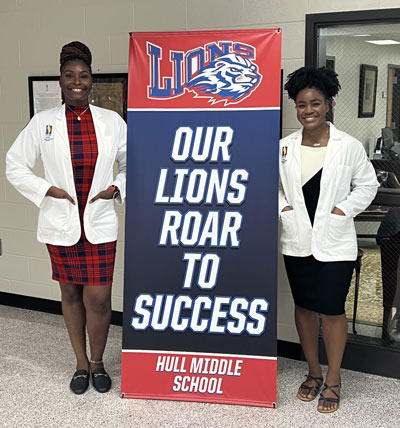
(31, 36)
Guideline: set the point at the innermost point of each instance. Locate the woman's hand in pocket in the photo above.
(58, 193)
(338, 211)
(105, 194)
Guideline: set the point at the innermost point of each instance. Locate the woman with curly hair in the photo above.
(326, 179)
(78, 144)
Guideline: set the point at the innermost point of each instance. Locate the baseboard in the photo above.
(363, 354)
(43, 305)
(285, 349)
(290, 350)
(368, 355)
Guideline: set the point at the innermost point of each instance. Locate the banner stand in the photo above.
(201, 218)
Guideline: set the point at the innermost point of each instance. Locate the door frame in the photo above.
(317, 20)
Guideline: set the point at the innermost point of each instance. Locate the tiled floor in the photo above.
(36, 363)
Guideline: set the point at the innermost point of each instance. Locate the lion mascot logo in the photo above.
(229, 79)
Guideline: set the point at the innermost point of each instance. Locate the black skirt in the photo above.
(318, 286)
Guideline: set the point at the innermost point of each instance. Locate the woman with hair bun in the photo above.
(78, 144)
(326, 179)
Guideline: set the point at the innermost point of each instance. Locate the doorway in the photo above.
(349, 42)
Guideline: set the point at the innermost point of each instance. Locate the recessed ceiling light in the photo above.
(383, 42)
(361, 35)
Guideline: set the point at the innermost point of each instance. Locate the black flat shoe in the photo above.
(80, 381)
(100, 380)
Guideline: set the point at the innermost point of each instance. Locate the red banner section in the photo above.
(193, 69)
(213, 378)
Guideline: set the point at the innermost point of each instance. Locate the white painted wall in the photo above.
(31, 35)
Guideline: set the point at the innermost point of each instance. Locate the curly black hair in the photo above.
(75, 50)
(322, 79)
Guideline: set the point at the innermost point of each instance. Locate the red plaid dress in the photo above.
(82, 263)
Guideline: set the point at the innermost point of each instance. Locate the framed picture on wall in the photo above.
(44, 93)
(367, 91)
(109, 91)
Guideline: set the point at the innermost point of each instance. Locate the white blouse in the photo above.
(312, 160)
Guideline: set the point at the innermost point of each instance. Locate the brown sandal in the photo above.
(330, 399)
(310, 389)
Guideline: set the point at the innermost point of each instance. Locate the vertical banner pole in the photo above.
(201, 222)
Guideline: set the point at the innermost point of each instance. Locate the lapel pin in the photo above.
(284, 154)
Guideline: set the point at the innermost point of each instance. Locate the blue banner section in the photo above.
(201, 234)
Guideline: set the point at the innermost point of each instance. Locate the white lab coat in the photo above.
(348, 182)
(46, 136)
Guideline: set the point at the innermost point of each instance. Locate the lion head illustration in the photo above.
(230, 78)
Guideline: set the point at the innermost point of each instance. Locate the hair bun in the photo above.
(75, 50)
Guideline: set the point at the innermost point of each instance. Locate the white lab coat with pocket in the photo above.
(46, 136)
(348, 182)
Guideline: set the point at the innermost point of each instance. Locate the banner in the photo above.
(201, 220)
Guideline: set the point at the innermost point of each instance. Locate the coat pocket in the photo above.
(54, 214)
(103, 213)
(289, 228)
(341, 232)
